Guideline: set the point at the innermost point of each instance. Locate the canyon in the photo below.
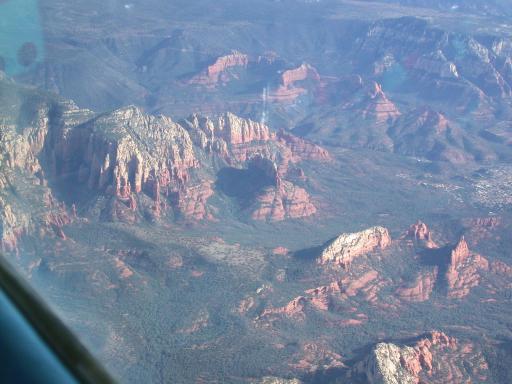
(269, 192)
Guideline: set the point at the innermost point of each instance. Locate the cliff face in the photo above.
(228, 127)
(433, 358)
(281, 202)
(291, 79)
(389, 363)
(420, 234)
(427, 54)
(377, 107)
(464, 270)
(219, 72)
(244, 144)
(26, 201)
(125, 151)
(144, 166)
(347, 246)
(421, 289)
(129, 152)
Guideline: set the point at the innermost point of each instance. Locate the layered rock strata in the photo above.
(347, 246)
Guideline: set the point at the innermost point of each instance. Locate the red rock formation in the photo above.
(378, 107)
(440, 358)
(431, 120)
(334, 287)
(353, 322)
(131, 154)
(12, 226)
(281, 202)
(56, 221)
(302, 149)
(421, 235)
(347, 246)
(305, 71)
(293, 309)
(218, 72)
(216, 134)
(295, 306)
(236, 130)
(127, 152)
(320, 297)
(462, 279)
(288, 90)
(390, 363)
(421, 289)
(282, 251)
(460, 253)
(246, 143)
(367, 284)
(192, 201)
(316, 357)
(463, 270)
(424, 347)
(321, 302)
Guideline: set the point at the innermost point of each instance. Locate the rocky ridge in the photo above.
(420, 234)
(219, 73)
(144, 166)
(347, 246)
(463, 270)
(450, 271)
(290, 88)
(433, 358)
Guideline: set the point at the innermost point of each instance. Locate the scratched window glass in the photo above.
(264, 191)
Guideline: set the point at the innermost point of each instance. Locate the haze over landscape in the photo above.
(265, 191)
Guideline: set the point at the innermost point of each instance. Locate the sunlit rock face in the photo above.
(290, 87)
(427, 360)
(150, 167)
(347, 246)
(464, 270)
(420, 234)
(218, 73)
(128, 151)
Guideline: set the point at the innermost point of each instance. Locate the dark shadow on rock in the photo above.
(308, 254)
(312, 253)
(243, 184)
(439, 258)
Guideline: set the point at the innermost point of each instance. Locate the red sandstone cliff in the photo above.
(219, 72)
(376, 106)
(420, 234)
(290, 88)
(434, 358)
(421, 288)
(347, 246)
(463, 270)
